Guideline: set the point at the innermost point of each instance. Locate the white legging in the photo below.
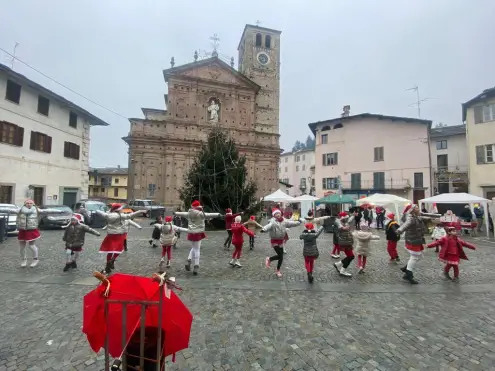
(195, 252)
(32, 246)
(413, 260)
(70, 257)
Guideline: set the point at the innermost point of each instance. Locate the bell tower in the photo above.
(259, 60)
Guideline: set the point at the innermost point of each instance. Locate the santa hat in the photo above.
(309, 226)
(237, 219)
(28, 200)
(252, 217)
(196, 204)
(343, 214)
(228, 211)
(78, 217)
(409, 208)
(168, 219)
(450, 228)
(276, 211)
(310, 213)
(115, 207)
(391, 216)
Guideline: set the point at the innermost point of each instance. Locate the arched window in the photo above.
(338, 126)
(258, 39)
(325, 128)
(268, 41)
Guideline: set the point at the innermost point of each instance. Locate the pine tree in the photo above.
(218, 177)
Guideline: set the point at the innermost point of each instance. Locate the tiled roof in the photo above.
(486, 94)
(313, 125)
(109, 170)
(447, 131)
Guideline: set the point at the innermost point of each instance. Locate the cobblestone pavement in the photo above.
(247, 319)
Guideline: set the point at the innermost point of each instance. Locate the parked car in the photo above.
(55, 220)
(125, 208)
(11, 213)
(151, 209)
(87, 208)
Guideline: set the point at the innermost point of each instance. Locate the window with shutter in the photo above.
(418, 180)
(480, 155)
(378, 153)
(379, 180)
(478, 114)
(356, 181)
(40, 142)
(11, 134)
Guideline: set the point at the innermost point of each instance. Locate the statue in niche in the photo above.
(213, 109)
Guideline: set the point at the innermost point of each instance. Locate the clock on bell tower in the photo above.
(259, 60)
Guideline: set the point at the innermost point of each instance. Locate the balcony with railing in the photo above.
(450, 173)
(382, 186)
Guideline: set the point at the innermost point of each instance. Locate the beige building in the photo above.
(295, 169)
(203, 94)
(108, 183)
(479, 117)
(369, 153)
(449, 159)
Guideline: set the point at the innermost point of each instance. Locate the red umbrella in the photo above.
(176, 319)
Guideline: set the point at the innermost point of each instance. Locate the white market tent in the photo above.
(307, 203)
(460, 198)
(279, 196)
(386, 201)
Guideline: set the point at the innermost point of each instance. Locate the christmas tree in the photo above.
(218, 176)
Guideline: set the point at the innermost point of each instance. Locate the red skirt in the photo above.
(196, 236)
(415, 248)
(28, 235)
(453, 259)
(113, 244)
(74, 249)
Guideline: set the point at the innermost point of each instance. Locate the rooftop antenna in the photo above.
(418, 99)
(13, 57)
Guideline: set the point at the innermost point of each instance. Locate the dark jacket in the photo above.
(335, 234)
(345, 235)
(467, 215)
(309, 238)
(391, 231)
(75, 233)
(414, 229)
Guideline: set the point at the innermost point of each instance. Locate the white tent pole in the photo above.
(487, 223)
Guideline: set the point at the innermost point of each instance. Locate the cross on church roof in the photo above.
(215, 42)
(258, 23)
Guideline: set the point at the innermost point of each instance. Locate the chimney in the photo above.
(347, 111)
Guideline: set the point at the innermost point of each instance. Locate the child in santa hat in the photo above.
(113, 244)
(74, 236)
(278, 229)
(363, 240)
(168, 237)
(252, 225)
(438, 233)
(345, 242)
(392, 237)
(28, 219)
(414, 229)
(451, 251)
(196, 232)
(229, 219)
(127, 225)
(238, 230)
(310, 249)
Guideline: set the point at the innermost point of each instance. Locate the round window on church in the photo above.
(263, 58)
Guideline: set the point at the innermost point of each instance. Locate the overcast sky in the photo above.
(334, 52)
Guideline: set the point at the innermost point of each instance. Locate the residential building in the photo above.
(109, 184)
(295, 168)
(204, 94)
(44, 143)
(369, 153)
(479, 116)
(449, 159)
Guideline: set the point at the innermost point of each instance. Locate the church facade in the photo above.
(203, 94)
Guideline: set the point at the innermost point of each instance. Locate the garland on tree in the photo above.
(218, 176)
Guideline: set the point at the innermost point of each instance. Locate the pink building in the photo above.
(369, 153)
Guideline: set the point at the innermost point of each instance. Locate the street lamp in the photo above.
(310, 182)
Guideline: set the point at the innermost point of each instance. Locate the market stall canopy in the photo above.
(336, 199)
(381, 199)
(460, 198)
(454, 198)
(305, 198)
(279, 196)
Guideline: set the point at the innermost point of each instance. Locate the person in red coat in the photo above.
(238, 230)
(451, 251)
(229, 219)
